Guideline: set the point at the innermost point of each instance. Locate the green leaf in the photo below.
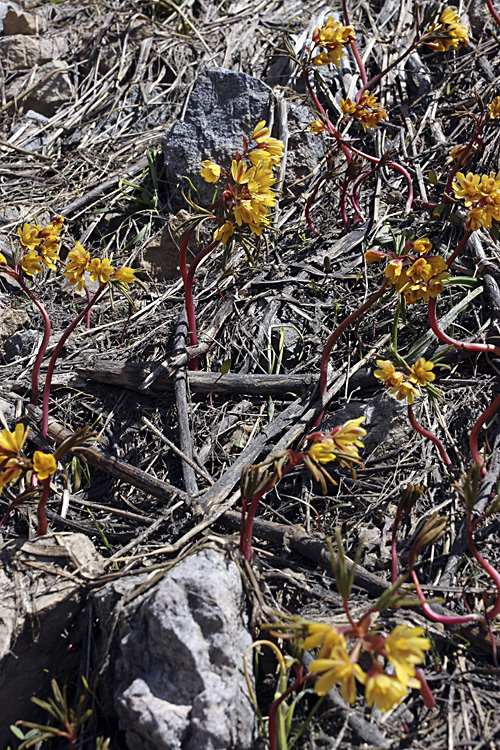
(431, 176)
(225, 367)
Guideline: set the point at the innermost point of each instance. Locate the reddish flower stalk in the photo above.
(248, 511)
(355, 51)
(442, 336)
(474, 433)
(40, 511)
(277, 703)
(443, 619)
(325, 358)
(493, 12)
(425, 691)
(459, 248)
(492, 572)
(50, 369)
(188, 278)
(35, 373)
(430, 436)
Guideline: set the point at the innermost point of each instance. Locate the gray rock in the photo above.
(223, 107)
(175, 672)
(21, 344)
(23, 52)
(11, 319)
(55, 89)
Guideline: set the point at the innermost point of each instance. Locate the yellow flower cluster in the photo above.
(341, 444)
(13, 464)
(367, 110)
(422, 278)
(249, 192)
(405, 385)
(332, 36)
(404, 648)
(448, 32)
(481, 194)
(100, 269)
(40, 246)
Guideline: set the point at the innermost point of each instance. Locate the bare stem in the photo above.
(430, 436)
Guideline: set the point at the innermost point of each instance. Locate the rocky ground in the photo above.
(107, 110)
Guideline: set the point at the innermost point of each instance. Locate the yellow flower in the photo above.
(29, 236)
(346, 437)
(239, 171)
(211, 171)
(101, 270)
(325, 636)
(405, 648)
(224, 232)
(333, 56)
(3, 260)
(44, 464)
(467, 187)
(394, 269)
(373, 256)
(405, 390)
(78, 262)
(494, 108)
(447, 32)
(338, 668)
(323, 451)
(421, 270)
(421, 372)
(260, 132)
(126, 275)
(49, 251)
(11, 443)
(316, 127)
(383, 690)
(31, 263)
(347, 107)
(386, 370)
(422, 246)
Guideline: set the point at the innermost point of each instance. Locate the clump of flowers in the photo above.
(417, 276)
(39, 246)
(367, 110)
(248, 192)
(338, 661)
(481, 195)
(447, 32)
(341, 444)
(100, 269)
(405, 385)
(332, 37)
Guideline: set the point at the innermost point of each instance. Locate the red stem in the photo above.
(50, 369)
(35, 387)
(277, 703)
(430, 436)
(40, 511)
(493, 12)
(425, 690)
(492, 572)
(459, 248)
(357, 56)
(444, 619)
(474, 433)
(470, 347)
(187, 278)
(325, 358)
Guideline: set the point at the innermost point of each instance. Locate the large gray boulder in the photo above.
(174, 671)
(222, 108)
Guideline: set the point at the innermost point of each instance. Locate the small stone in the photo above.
(11, 321)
